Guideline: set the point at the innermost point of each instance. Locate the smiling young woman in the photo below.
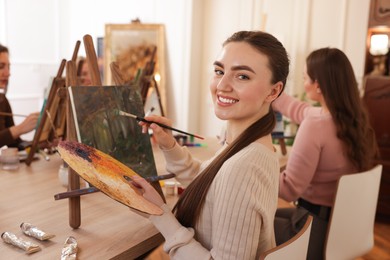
(228, 207)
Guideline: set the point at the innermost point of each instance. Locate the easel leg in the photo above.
(74, 179)
(74, 203)
(282, 144)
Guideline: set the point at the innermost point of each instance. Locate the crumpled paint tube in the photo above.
(69, 251)
(27, 246)
(33, 231)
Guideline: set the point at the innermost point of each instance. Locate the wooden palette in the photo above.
(105, 173)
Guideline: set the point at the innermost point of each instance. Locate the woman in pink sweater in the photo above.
(332, 140)
(228, 207)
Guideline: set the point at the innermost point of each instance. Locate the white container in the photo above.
(170, 187)
(63, 173)
(10, 159)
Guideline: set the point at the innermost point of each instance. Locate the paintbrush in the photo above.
(80, 192)
(153, 178)
(150, 111)
(10, 114)
(119, 112)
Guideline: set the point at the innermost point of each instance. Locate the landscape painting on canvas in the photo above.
(98, 124)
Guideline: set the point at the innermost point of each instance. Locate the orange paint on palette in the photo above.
(105, 173)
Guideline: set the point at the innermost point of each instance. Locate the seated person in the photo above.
(83, 72)
(9, 132)
(332, 140)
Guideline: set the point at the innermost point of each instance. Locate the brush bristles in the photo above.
(121, 113)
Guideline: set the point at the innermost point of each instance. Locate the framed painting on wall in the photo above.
(132, 46)
(380, 13)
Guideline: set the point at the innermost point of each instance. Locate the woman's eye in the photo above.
(218, 72)
(243, 77)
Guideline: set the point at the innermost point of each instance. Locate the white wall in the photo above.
(301, 25)
(40, 33)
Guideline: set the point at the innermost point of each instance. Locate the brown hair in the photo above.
(333, 71)
(79, 64)
(189, 205)
(3, 49)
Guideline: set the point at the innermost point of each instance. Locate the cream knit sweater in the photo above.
(237, 219)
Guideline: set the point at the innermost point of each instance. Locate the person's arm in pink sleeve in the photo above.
(291, 107)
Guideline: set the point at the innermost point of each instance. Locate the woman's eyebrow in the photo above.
(243, 67)
(217, 63)
(238, 67)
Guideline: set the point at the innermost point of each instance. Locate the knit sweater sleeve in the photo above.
(180, 162)
(179, 240)
(240, 208)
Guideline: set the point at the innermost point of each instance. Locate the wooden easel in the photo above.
(73, 178)
(72, 80)
(46, 131)
(148, 81)
(52, 124)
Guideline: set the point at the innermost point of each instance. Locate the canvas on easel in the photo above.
(73, 126)
(95, 111)
(51, 124)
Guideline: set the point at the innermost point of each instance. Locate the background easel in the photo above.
(52, 124)
(47, 131)
(145, 81)
(72, 80)
(148, 81)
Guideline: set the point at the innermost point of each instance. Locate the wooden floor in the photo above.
(381, 250)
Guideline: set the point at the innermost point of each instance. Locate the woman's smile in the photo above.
(223, 101)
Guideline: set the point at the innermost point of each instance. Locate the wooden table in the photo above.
(109, 230)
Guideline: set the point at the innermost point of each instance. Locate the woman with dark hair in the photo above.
(227, 209)
(83, 72)
(333, 139)
(9, 132)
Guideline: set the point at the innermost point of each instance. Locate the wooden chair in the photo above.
(293, 249)
(351, 224)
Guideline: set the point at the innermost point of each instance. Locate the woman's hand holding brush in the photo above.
(162, 135)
